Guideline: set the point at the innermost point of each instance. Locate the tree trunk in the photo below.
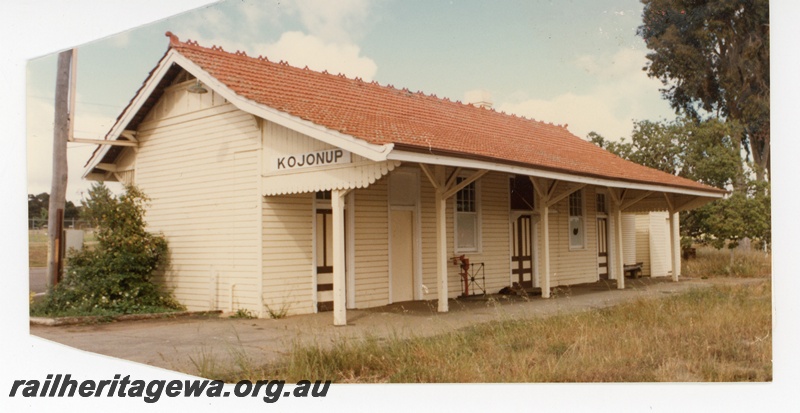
(730, 264)
(58, 189)
(760, 148)
(739, 179)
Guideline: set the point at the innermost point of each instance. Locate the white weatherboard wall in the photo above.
(643, 242)
(653, 243)
(287, 254)
(494, 247)
(372, 245)
(629, 239)
(197, 162)
(577, 265)
(660, 253)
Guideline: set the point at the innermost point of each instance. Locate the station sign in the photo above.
(312, 159)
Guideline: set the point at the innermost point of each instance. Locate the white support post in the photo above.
(619, 259)
(437, 179)
(441, 243)
(339, 297)
(350, 268)
(545, 229)
(674, 240)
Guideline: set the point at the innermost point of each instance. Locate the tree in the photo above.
(704, 152)
(38, 207)
(713, 56)
(701, 151)
(653, 144)
(744, 214)
(117, 275)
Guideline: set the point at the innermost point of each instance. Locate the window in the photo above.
(601, 204)
(467, 228)
(576, 233)
(521, 193)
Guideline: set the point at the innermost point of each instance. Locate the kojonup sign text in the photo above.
(311, 159)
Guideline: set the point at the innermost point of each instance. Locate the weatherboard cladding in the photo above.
(414, 121)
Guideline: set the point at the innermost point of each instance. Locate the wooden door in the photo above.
(602, 248)
(324, 247)
(402, 259)
(522, 251)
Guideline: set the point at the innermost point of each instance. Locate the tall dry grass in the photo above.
(711, 262)
(715, 334)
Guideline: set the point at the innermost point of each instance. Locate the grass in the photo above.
(278, 313)
(37, 246)
(711, 262)
(717, 334)
(37, 254)
(243, 313)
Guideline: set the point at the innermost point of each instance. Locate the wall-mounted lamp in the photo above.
(197, 88)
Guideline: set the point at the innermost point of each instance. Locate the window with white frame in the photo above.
(576, 222)
(467, 228)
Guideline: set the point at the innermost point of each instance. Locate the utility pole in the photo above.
(58, 188)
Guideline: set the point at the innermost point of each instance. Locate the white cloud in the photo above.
(583, 113)
(301, 50)
(333, 21)
(327, 45)
(623, 94)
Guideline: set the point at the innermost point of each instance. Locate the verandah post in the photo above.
(619, 258)
(546, 250)
(674, 240)
(339, 296)
(441, 241)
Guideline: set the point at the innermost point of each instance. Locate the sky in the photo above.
(574, 63)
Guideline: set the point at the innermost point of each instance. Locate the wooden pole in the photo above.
(441, 252)
(675, 242)
(441, 240)
(545, 229)
(619, 259)
(60, 246)
(58, 188)
(339, 293)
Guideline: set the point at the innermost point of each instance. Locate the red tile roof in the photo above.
(415, 121)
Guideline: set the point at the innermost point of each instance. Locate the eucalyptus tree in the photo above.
(712, 56)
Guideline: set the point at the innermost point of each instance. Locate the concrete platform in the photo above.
(172, 343)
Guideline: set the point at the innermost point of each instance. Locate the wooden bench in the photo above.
(633, 270)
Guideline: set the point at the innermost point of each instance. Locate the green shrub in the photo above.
(115, 277)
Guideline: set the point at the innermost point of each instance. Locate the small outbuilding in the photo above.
(285, 189)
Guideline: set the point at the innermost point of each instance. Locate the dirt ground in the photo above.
(173, 343)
